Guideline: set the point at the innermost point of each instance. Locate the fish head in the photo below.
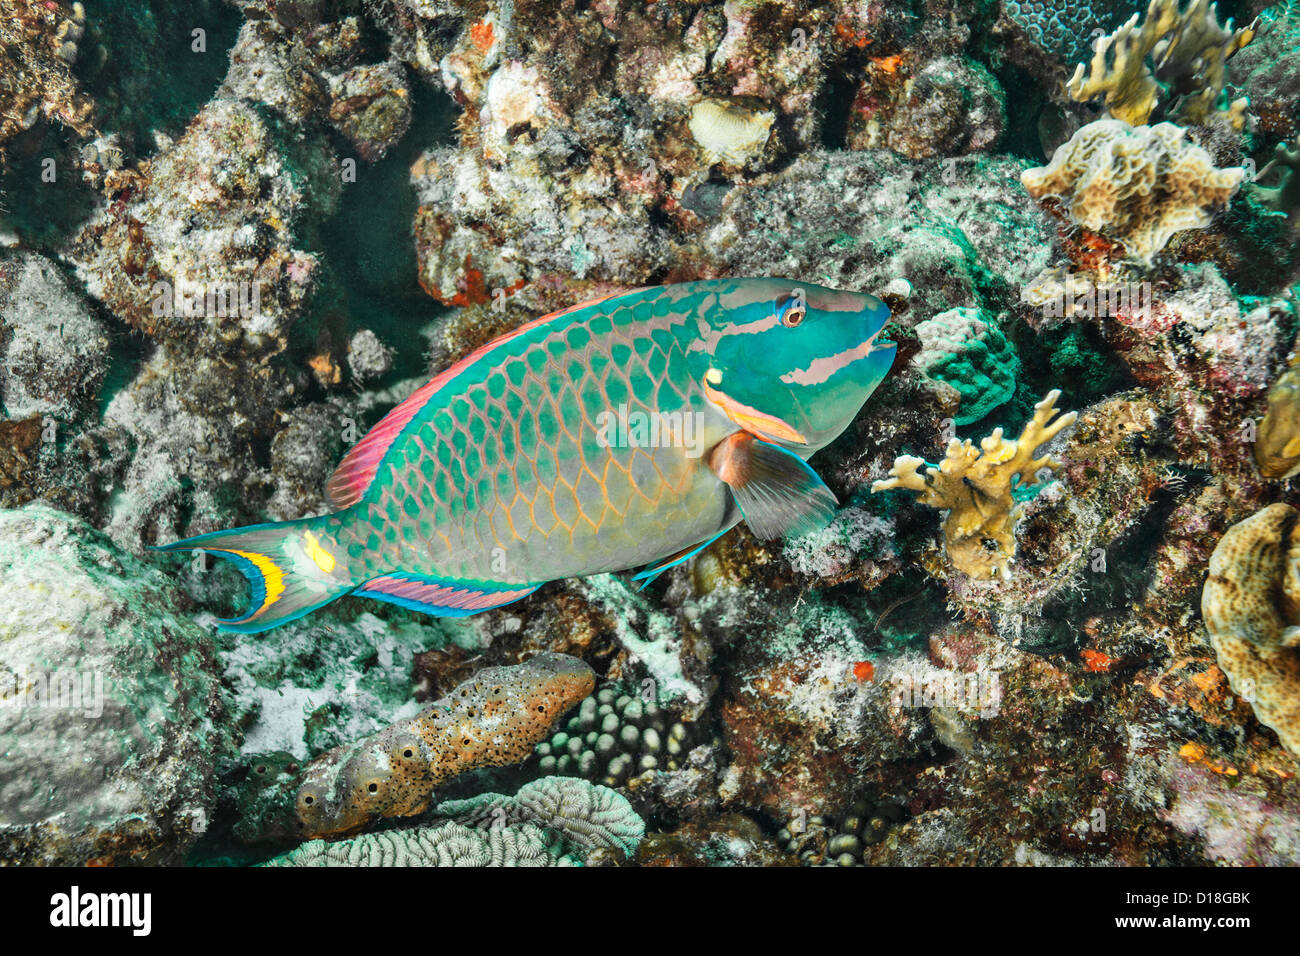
(794, 362)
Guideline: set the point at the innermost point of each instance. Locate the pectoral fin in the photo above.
(776, 490)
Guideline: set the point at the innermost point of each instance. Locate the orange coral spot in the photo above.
(1192, 752)
(482, 36)
(1096, 661)
(851, 36)
(864, 671)
(888, 63)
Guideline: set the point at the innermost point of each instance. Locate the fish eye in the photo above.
(793, 311)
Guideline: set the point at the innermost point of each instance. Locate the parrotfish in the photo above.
(626, 432)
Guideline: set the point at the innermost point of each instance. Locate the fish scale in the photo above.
(555, 507)
(499, 474)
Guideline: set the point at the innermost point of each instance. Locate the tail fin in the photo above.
(294, 567)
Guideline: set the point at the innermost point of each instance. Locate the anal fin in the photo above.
(443, 597)
(647, 577)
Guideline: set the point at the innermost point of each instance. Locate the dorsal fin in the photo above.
(352, 478)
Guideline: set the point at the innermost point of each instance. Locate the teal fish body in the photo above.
(623, 432)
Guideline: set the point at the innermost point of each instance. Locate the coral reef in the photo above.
(976, 488)
(241, 259)
(1138, 185)
(38, 46)
(52, 354)
(1251, 605)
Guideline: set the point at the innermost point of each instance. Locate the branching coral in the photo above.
(1188, 50)
(491, 720)
(976, 489)
(1251, 606)
(1139, 185)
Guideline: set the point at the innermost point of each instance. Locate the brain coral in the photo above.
(583, 815)
(550, 822)
(974, 357)
(1251, 606)
(1136, 184)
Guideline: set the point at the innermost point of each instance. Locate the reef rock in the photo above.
(112, 720)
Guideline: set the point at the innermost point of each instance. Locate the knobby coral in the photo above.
(1188, 50)
(1138, 185)
(976, 489)
(492, 720)
(1251, 606)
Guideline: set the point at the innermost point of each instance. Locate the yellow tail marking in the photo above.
(272, 577)
(324, 560)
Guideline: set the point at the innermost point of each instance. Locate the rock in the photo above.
(112, 719)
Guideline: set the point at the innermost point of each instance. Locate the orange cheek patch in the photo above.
(752, 420)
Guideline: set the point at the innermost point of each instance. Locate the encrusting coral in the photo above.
(38, 45)
(1277, 443)
(976, 487)
(1138, 185)
(1188, 49)
(554, 821)
(491, 720)
(1251, 606)
(962, 349)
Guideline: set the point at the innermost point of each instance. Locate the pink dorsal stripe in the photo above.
(356, 471)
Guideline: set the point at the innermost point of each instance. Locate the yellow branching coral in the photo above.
(1138, 185)
(974, 485)
(1251, 606)
(1188, 51)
